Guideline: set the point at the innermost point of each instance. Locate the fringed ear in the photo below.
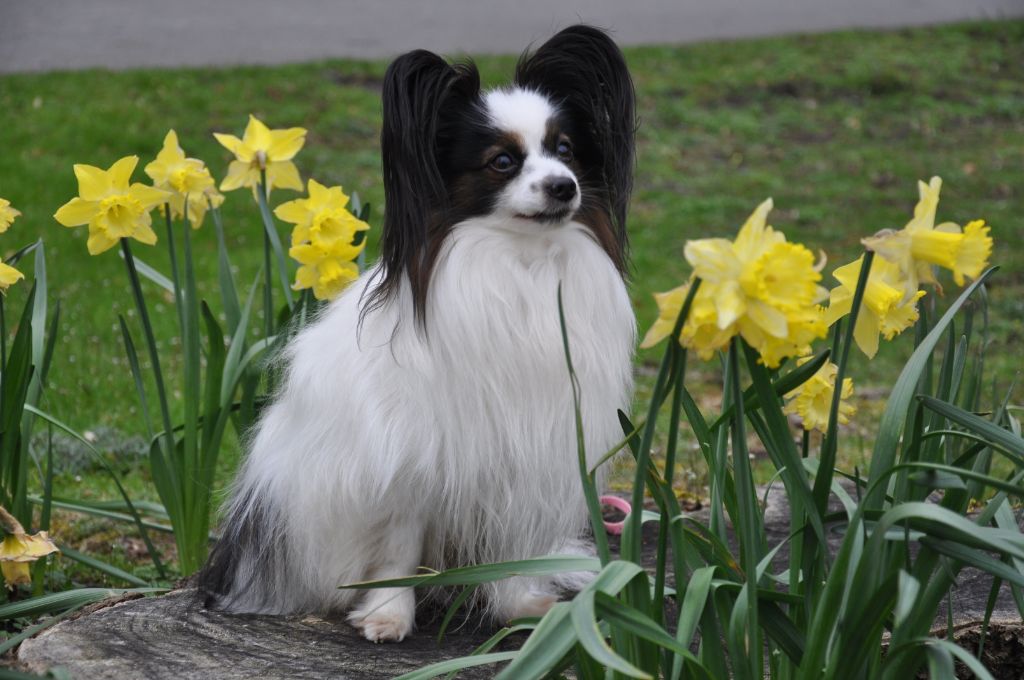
(419, 88)
(582, 69)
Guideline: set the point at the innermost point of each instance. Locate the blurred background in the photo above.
(74, 34)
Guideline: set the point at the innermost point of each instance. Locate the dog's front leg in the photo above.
(388, 614)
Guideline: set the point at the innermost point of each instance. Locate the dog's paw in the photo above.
(531, 604)
(381, 625)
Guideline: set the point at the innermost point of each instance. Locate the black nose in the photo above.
(560, 188)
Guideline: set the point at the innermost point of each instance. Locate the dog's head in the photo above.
(556, 146)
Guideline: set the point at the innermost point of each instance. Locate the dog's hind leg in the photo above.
(388, 614)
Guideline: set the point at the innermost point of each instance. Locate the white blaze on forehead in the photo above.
(523, 112)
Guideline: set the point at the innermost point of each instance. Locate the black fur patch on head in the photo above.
(584, 73)
(428, 103)
(475, 185)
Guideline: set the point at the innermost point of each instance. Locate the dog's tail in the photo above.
(245, 565)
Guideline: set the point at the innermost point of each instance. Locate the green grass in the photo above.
(837, 128)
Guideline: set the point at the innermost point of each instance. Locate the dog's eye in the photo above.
(503, 163)
(564, 151)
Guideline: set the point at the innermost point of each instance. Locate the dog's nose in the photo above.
(560, 188)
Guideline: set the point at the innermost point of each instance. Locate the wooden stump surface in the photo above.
(173, 637)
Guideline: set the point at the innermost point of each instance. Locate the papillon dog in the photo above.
(425, 417)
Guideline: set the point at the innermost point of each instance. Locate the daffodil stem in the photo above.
(154, 356)
(805, 443)
(268, 289)
(174, 262)
(823, 481)
(749, 529)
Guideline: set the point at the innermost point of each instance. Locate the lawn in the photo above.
(836, 128)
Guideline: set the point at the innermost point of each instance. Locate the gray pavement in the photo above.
(40, 35)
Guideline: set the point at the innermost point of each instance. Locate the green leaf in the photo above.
(586, 480)
(588, 633)
(992, 433)
(485, 573)
(153, 275)
(550, 641)
(492, 642)
(90, 509)
(554, 637)
(781, 387)
(891, 427)
(695, 599)
(442, 667)
(56, 602)
(154, 555)
(270, 229)
(453, 608)
(100, 565)
(228, 291)
(619, 615)
(975, 558)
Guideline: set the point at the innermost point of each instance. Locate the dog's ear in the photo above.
(583, 69)
(419, 89)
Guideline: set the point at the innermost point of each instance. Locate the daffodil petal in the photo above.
(257, 135)
(238, 176)
(235, 146)
(9, 276)
(16, 573)
(284, 175)
(144, 234)
(865, 333)
(93, 183)
(294, 212)
(286, 143)
(712, 259)
(121, 173)
(730, 304)
(99, 241)
(148, 196)
(76, 212)
(771, 320)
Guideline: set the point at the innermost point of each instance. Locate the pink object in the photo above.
(622, 504)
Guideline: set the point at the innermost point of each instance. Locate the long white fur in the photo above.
(388, 447)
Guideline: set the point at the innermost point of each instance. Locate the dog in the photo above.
(425, 417)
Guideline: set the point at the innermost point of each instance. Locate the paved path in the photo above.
(72, 34)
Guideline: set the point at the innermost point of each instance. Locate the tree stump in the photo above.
(173, 637)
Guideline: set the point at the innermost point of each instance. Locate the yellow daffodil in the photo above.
(18, 550)
(112, 209)
(670, 303)
(759, 287)
(263, 149)
(812, 401)
(921, 244)
(8, 276)
(7, 214)
(187, 179)
(323, 240)
(883, 310)
(328, 271)
(322, 218)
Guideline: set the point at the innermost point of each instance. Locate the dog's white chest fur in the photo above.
(461, 439)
